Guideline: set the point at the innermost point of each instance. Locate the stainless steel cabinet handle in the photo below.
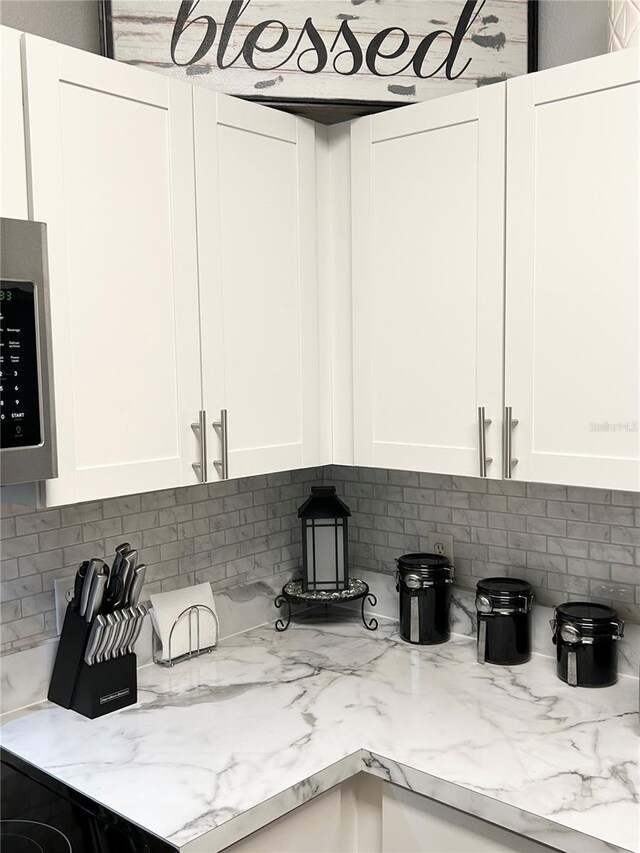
(509, 461)
(223, 463)
(200, 429)
(483, 423)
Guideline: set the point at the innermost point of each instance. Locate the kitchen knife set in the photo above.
(95, 671)
(107, 596)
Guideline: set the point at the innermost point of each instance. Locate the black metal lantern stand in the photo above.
(325, 559)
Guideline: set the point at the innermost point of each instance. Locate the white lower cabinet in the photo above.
(367, 815)
(412, 823)
(325, 824)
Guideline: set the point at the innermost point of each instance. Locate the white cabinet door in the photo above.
(13, 168)
(367, 815)
(416, 824)
(317, 826)
(573, 272)
(428, 221)
(111, 160)
(258, 290)
(343, 819)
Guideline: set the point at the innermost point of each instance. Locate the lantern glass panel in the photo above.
(325, 553)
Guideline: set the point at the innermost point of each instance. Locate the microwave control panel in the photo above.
(19, 370)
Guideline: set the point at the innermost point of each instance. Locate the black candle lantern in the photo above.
(325, 551)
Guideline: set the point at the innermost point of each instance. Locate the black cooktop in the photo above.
(39, 814)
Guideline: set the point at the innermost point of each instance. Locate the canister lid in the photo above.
(590, 610)
(431, 566)
(591, 618)
(504, 588)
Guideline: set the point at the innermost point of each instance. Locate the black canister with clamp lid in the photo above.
(585, 635)
(424, 583)
(503, 607)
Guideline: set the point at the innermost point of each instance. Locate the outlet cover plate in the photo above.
(613, 591)
(441, 543)
(63, 592)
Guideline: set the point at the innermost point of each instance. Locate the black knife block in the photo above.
(90, 690)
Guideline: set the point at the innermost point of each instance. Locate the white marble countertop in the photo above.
(219, 746)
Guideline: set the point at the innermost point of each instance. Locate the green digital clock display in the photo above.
(6, 295)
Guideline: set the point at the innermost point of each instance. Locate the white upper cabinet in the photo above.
(111, 162)
(200, 251)
(428, 223)
(13, 165)
(573, 273)
(255, 180)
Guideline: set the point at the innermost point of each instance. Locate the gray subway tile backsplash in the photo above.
(37, 522)
(568, 542)
(228, 534)
(548, 526)
(612, 514)
(625, 535)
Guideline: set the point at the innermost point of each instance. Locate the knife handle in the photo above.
(131, 614)
(124, 578)
(121, 630)
(136, 585)
(121, 550)
(105, 644)
(86, 587)
(114, 587)
(78, 584)
(94, 640)
(142, 612)
(95, 596)
(113, 592)
(129, 576)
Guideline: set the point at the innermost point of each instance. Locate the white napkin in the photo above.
(167, 606)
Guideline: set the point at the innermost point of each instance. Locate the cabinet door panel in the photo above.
(13, 168)
(428, 197)
(260, 288)
(112, 176)
(256, 225)
(573, 274)
(416, 824)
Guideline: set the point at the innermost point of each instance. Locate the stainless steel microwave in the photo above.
(28, 435)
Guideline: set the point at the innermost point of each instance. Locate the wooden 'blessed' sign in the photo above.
(326, 51)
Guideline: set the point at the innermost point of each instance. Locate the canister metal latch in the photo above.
(619, 626)
(572, 637)
(483, 604)
(414, 625)
(482, 640)
(521, 604)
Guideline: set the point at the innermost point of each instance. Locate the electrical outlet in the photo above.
(63, 592)
(616, 591)
(441, 543)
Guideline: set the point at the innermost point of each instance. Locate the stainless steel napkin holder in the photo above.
(195, 650)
